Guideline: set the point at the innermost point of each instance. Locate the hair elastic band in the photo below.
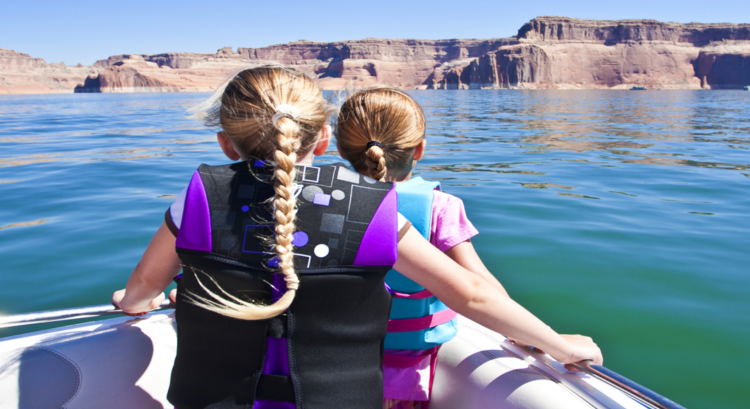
(285, 110)
(371, 144)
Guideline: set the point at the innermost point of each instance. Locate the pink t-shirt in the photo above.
(449, 227)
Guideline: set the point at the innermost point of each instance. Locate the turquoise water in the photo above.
(620, 215)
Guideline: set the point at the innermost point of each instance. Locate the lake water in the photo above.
(621, 215)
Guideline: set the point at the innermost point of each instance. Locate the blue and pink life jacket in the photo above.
(418, 320)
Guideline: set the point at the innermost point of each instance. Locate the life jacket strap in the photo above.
(401, 361)
(265, 387)
(277, 327)
(420, 295)
(417, 324)
(275, 388)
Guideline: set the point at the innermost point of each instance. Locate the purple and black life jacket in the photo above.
(326, 351)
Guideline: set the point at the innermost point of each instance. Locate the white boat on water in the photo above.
(126, 363)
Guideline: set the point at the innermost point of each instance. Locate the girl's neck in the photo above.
(306, 160)
(397, 178)
(403, 174)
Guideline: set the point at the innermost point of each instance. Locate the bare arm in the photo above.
(469, 295)
(465, 255)
(153, 274)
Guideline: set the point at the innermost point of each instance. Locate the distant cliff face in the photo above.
(551, 29)
(154, 73)
(22, 74)
(560, 52)
(547, 52)
(724, 65)
(402, 63)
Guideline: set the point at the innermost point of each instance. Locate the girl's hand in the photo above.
(520, 344)
(582, 348)
(173, 296)
(120, 301)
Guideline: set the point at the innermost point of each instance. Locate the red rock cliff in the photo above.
(22, 74)
(620, 31)
(585, 53)
(547, 52)
(402, 63)
(560, 52)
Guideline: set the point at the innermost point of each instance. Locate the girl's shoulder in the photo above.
(443, 201)
(450, 225)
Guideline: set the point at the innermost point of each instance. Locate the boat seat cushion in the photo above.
(45, 379)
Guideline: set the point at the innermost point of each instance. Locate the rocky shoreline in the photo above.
(547, 53)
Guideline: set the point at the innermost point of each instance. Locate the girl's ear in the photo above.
(323, 141)
(226, 146)
(419, 150)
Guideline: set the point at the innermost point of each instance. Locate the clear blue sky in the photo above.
(74, 31)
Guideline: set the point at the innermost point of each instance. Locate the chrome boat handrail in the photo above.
(64, 314)
(624, 384)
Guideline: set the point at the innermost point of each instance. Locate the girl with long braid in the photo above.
(282, 303)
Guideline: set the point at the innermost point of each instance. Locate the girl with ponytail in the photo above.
(281, 301)
(381, 132)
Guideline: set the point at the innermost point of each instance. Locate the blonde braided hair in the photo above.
(250, 111)
(285, 201)
(385, 115)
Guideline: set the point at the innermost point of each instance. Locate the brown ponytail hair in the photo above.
(247, 108)
(384, 115)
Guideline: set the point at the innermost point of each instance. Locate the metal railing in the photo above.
(64, 314)
(624, 384)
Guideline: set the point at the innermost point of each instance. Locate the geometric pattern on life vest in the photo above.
(334, 208)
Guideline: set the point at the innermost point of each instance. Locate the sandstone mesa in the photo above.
(547, 52)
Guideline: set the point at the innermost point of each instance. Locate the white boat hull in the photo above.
(126, 363)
